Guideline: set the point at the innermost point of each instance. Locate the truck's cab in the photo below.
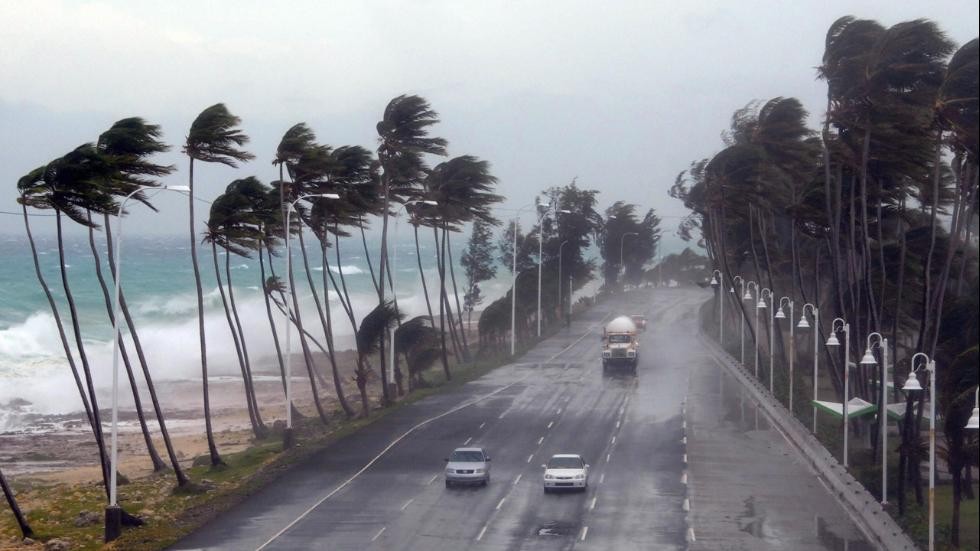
(620, 345)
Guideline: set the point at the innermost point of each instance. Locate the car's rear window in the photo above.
(466, 456)
(565, 463)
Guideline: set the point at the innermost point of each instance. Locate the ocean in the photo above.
(159, 286)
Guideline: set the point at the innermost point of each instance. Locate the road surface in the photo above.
(679, 460)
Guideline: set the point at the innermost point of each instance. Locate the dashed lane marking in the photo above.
(684, 478)
(407, 503)
(592, 505)
(518, 479)
(690, 535)
(501, 504)
(551, 424)
(482, 531)
(613, 440)
(483, 424)
(602, 478)
(433, 479)
(540, 440)
(585, 531)
(687, 505)
(607, 457)
(378, 535)
(530, 457)
(468, 440)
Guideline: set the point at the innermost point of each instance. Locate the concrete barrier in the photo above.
(879, 527)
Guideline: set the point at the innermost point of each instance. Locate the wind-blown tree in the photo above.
(377, 322)
(403, 141)
(8, 493)
(419, 343)
(478, 266)
(214, 137)
(622, 225)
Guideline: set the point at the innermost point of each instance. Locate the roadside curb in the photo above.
(859, 504)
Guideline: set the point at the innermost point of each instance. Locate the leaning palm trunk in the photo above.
(442, 309)
(459, 309)
(151, 388)
(212, 446)
(272, 321)
(367, 257)
(443, 295)
(241, 337)
(418, 257)
(924, 325)
(25, 528)
(80, 346)
(307, 355)
(158, 464)
(238, 349)
(328, 329)
(362, 367)
(57, 318)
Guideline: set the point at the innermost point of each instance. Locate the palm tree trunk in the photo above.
(80, 346)
(241, 337)
(151, 388)
(307, 356)
(158, 464)
(418, 257)
(367, 256)
(57, 318)
(25, 528)
(309, 280)
(272, 321)
(459, 309)
(443, 294)
(238, 348)
(212, 446)
(865, 153)
(442, 310)
(335, 372)
(924, 324)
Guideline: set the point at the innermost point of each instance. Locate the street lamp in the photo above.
(761, 305)
(287, 437)
(912, 385)
(513, 284)
(741, 326)
(394, 280)
(719, 283)
(560, 247)
(974, 422)
(792, 347)
(869, 360)
(804, 324)
(543, 211)
(113, 513)
(832, 341)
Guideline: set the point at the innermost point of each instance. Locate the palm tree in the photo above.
(214, 137)
(379, 321)
(25, 528)
(418, 342)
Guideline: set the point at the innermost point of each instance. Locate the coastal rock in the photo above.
(87, 518)
(57, 544)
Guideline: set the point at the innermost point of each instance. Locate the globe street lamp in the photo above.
(113, 513)
(804, 324)
(912, 385)
(832, 341)
(792, 347)
(288, 433)
(717, 281)
(869, 360)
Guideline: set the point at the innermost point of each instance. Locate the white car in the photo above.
(566, 471)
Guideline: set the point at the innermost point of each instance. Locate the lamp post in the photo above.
(792, 348)
(804, 324)
(741, 317)
(560, 247)
(288, 433)
(832, 341)
(543, 212)
(513, 284)
(869, 359)
(720, 284)
(912, 385)
(761, 305)
(974, 422)
(113, 513)
(750, 286)
(394, 281)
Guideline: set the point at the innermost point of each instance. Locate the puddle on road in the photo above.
(558, 528)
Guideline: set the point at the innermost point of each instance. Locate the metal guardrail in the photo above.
(863, 508)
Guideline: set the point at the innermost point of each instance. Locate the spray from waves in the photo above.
(347, 270)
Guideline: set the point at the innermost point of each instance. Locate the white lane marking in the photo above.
(617, 424)
(592, 505)
(602, 478)
(622, 410)
(411, 430)
(518, 479)
(684, 440)
(468, 440)
(501, 416)
(607, 457)
(690, 535)
(551, 424)
(540, 440)
(558, 412)
(685, 458)
(530, 457)
(407, 503)
(684, 478)
(684, 424)
(482, 531)
(613, 440)
(433, 479)
(585, 530)
(687, 505)
(378, 535)
(483, 424)
(499, 505)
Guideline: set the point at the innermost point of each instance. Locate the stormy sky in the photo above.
(622, 95)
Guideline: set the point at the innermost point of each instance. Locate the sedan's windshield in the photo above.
(619, 338)
(466, 456)
(565, 463)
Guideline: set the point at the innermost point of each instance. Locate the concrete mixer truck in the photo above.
(620, 345)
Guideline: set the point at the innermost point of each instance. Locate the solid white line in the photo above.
(468, 440)
(411, 430)
(585, 530)
(483, 424)
(407, 503)
(540, 440)
(592, 505)
(378, 535)
(530, 457)
(687, 505)
(433, 479)
(499, 505)
(602, 478)
(482, 531)
(518, 479)
(551, 424)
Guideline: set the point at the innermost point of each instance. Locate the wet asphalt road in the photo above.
(673, 463)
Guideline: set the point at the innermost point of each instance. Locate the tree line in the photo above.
(872, 217)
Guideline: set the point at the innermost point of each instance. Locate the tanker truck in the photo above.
(620, 345)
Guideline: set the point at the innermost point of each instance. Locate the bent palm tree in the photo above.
(379, 321)
(214, 137)
(25, 528)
